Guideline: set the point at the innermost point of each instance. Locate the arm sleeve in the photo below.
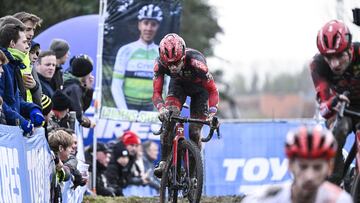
(323, 92)
(118, 78)
(11, 115)
(210, 86)
(158, 83)
(74, 92)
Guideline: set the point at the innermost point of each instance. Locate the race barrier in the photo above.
(249, 155)
(25, 166)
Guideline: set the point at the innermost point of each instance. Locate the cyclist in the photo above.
(132, 77)
(334, 70)
(311, 152)
(189, 76)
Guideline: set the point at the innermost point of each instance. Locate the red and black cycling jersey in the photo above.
(328, 85)
(195, 71)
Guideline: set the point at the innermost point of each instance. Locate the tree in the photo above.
(51, 11)
(198, 26)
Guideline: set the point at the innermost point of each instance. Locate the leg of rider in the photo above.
(198, 109)
(341, 131)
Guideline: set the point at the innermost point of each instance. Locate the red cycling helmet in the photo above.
(333, 38)
(171, 49)
(310, 143)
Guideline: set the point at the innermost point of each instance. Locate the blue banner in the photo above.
(249, 156)
(24, 166)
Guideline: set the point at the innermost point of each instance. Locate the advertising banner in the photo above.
(25, 166)
(132, 32)
(248, 157)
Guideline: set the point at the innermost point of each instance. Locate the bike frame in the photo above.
(179, 129)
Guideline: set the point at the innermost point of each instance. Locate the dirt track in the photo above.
(225, 199)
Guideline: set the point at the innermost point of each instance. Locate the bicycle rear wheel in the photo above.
(168, 191)
(191, 177)
(355, 189)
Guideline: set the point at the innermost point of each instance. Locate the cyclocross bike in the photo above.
(354, 174)
(183, 174)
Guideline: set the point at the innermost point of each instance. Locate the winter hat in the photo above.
(61, 101)
(129, 138)
(120, 152)
(100, 147)
(46, 104)
(34, 45)
(81, 65)
(60, 47)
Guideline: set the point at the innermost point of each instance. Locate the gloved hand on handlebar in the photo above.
(212, 112)
(335, 103)
(163, 114)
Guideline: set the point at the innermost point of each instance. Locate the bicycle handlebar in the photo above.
(343, 110)
(213, 124)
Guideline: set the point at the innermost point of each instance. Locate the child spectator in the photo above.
(60, 143)
(60, 112)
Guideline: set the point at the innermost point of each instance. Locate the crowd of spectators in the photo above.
(36, 91)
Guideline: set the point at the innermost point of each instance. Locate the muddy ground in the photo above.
(225, 199)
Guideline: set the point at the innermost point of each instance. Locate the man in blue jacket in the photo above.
(14, 44)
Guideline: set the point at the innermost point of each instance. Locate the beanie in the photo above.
(61, 101)
(119, 152)
(60, 47)
(46, 104)
(81, 65)
(129, 138)
(34, 46)
(100, 147)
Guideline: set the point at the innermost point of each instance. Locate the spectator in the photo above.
(45, 67)
(13, 42)
(47, 105)
(61, 49)
(78, 85)
(10, 20)
(34, 52)
(60, 111)
(34, 55)
(3, 60)
(102, 161)
(77, 178)
(151, 152)
(60, 143)
(31, 91)
(118, 170)
(31, 22)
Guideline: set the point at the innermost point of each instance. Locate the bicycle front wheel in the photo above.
(168, 189)
(355, 189)
(191, 170)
